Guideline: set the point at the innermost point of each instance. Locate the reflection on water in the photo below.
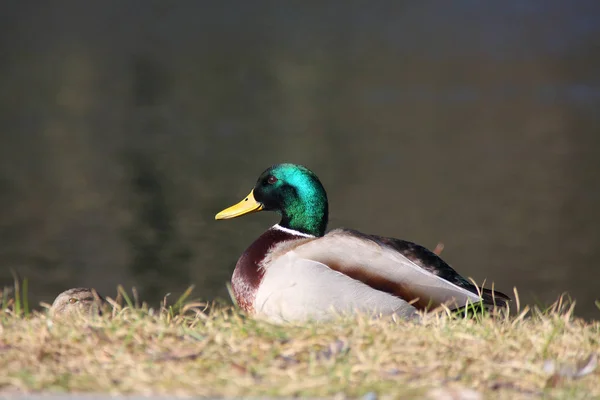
(583, 94)
(124, 130)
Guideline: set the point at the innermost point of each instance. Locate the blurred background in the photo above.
(126, 125)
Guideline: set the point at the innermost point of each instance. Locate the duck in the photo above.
(296, 271)
(78, 301)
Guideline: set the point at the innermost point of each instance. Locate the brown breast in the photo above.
(248, 274)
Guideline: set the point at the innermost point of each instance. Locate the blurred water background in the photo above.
(126, 125)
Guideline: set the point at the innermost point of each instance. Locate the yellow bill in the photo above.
(247, 206)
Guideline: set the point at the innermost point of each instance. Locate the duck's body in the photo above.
(294, 271)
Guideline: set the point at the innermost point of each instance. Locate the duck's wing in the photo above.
(431, 262)
(398, 267)
(298, 289)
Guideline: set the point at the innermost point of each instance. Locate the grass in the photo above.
(190, 349)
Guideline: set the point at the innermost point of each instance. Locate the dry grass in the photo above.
(188, 351)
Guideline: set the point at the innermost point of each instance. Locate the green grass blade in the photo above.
(26, 297)
(17, 298)
(126, 297)
(181, 300)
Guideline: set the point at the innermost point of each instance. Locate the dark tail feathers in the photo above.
(494, 297)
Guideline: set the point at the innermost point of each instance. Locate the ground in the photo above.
(191, 350)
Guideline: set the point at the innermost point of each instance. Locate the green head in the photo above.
(291, 190)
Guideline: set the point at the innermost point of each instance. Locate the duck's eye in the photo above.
(271, 179)
(72, 300)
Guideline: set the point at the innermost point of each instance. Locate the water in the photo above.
(125, 128)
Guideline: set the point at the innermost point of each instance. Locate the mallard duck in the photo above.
(78, 301)
(295, 271)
